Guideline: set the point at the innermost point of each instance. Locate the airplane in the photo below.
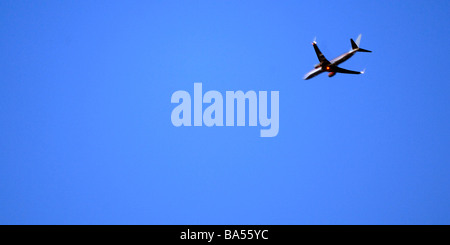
(332, 66)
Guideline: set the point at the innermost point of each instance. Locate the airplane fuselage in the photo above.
(343, 57)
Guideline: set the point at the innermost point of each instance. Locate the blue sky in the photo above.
(86, 135)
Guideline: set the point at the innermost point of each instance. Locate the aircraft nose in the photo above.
(306, 77)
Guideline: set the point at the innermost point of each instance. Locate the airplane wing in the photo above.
(319, 54)
(341, 70)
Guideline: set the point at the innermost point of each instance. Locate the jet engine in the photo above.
(331, 74)
(317, 66)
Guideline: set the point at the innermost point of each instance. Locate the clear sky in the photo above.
(85, 115)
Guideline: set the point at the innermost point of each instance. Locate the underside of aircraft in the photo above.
(332, 66)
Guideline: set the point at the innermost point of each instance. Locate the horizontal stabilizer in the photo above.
(364, 50)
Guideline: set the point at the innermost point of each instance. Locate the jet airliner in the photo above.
(332, 66)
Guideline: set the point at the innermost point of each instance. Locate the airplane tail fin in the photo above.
(355, 45)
